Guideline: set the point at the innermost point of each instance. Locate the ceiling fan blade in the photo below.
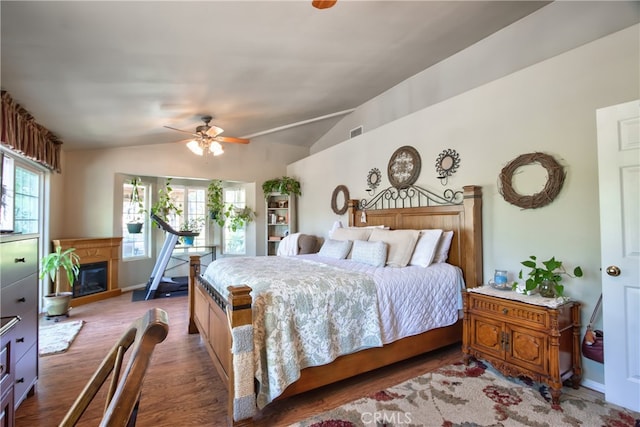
(232, 139)
(183, 131)
(323, 4)
(214, 131)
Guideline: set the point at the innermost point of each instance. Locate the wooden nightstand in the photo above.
(524, 335)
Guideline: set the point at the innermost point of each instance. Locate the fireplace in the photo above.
(92, 279)
(98, 278)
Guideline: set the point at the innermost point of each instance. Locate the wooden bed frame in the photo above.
(213, 317)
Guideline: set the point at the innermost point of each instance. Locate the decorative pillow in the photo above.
(372, 253)
(401, 244)
(307, 244)
(351, 233)
(425, 249)
(442, 251)
(338, 249)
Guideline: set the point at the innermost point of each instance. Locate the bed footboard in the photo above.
(227, 332)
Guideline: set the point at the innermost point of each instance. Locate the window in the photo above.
(234, 242)
(135, 229)
(195, 212)
(20, 197)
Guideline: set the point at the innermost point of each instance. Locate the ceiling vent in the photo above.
(355, 132)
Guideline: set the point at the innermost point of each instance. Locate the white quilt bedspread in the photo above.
(413, 299)
(410, 300)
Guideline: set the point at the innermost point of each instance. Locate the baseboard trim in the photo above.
(593, 385)
(133, 288)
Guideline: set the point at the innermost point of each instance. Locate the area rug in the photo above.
(57, 337)
(474, 396)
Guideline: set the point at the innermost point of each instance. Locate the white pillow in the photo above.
(425, 249)
(351, 233)
(442, 251)
(401, 244)
(338, 249)
(372, 253)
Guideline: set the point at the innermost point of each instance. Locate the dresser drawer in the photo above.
(25, 374)
(6, 370)
(21, 297)
(18, 259)
(513, 311)
(25, 333)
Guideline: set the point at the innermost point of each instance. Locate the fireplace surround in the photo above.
(93, 251)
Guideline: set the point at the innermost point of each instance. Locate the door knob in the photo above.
(613, 270)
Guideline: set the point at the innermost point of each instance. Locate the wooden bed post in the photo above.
(473, 238)
(194, 270)
(239, 313)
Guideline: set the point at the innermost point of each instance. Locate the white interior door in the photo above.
(619, 178)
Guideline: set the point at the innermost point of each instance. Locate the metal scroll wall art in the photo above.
(447, 164)
(551, 189)
(410, 197)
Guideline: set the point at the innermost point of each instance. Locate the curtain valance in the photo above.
(19, 131)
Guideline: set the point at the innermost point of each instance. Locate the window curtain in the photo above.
(20, 132)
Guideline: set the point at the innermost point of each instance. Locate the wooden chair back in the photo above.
(124, 388)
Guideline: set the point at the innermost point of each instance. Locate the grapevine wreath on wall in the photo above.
(344, 191)
(551, 189)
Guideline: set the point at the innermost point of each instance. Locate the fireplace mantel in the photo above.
(92, 250)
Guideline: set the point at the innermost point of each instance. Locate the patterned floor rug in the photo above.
(57, 337)
(474, 396)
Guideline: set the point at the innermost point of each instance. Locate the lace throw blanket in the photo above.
(305, 314)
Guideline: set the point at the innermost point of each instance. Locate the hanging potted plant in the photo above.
(240, 217)
(165, 206)
(284, 185)
(57, 304)
(215, 202)
(136, 207)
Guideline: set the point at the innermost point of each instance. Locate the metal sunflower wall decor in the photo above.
(373, 180)
(447, 164)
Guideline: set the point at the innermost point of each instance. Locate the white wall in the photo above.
(548, 107)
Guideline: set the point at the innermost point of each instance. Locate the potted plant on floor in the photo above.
(57, 304)
(136, 207)
(546, 278)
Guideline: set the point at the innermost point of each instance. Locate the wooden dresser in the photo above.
(19, 297)
(524, 335)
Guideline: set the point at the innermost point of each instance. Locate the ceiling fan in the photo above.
(323, 4)
(207, 138)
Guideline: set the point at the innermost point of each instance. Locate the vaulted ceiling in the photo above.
(108, 74)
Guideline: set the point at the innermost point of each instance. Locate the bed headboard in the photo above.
(463, 216)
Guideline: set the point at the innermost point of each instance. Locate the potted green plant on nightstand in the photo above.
(57, 304)
(546, 278)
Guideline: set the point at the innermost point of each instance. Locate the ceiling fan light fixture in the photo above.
(216, 148)
(195, 147)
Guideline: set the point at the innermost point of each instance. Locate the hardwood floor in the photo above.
(181, 387)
